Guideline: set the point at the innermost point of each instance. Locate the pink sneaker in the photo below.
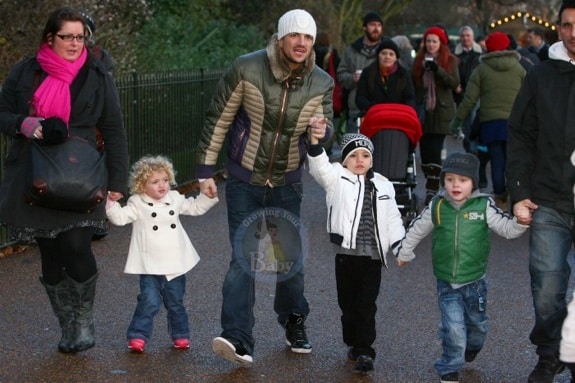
(182, 344)
(137, 345)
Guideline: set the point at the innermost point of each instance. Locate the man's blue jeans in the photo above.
(463, 323)
(238, 291)
(155, 290)
(552, 236)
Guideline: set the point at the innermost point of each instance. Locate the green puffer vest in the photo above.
(460, 240)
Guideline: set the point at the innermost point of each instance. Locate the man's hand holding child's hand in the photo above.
(317, 127)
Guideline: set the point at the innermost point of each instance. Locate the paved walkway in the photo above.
(407, 318)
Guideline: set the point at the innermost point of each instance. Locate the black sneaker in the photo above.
(470, 355)
(452, 377)
(352, 354)
(231, 350)
(296, 337)
(363, 364)
(546, 369)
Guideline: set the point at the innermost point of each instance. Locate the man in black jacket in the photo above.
(540, 179)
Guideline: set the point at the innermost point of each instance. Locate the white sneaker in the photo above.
(231, 350)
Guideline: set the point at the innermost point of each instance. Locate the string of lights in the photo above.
(525, 17)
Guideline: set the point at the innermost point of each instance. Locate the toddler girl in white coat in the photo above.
(160, 250)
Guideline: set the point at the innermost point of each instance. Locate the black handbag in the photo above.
(70, 176)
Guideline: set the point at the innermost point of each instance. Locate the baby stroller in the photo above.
(395, 131)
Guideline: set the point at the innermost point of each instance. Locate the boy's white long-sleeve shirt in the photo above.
(159, 244)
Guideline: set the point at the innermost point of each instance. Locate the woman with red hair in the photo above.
(435, 76)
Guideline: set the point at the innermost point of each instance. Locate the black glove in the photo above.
(54, 131)
(431, 65)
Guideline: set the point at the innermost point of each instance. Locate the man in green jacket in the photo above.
(266, 104)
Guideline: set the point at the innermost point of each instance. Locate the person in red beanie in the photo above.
(495, 84)
(435, 76)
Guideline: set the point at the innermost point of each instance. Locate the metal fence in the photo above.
(163, 114)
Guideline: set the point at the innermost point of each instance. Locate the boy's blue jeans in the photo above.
(155, 290)
(238, 291)
(463, 323)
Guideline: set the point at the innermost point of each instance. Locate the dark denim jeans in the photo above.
(155, 290)
(463, 323)
(498, 158)
(238, 291)
(552, 235)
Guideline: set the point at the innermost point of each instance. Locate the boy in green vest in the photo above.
(459, 219)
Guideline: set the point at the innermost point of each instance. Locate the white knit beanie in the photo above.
(296, 21)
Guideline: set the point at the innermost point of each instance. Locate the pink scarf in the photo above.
(52, 98)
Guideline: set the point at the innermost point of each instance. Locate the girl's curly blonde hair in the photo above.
(143, 169)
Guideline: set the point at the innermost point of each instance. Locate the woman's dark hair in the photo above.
(57, 18)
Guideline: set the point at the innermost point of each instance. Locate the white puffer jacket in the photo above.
(344, 197)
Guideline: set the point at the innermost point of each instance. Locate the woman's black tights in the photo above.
(69, 252)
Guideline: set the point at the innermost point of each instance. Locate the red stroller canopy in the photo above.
(392, 116)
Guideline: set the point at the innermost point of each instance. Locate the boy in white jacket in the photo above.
(363, 223)
(160, 250)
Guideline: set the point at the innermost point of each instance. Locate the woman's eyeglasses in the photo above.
(70, 38)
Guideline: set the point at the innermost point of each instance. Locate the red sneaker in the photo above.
(182, 344)
(137, 345)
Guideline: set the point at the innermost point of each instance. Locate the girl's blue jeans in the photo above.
(155, 291)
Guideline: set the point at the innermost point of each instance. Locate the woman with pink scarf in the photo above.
(62, 91)
(435, 76)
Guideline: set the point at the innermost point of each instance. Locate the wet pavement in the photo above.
(407, 319)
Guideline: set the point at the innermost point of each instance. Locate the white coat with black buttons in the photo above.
(159, 243)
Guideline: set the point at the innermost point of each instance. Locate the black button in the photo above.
(154, 215)
(155, 227)
(173, 225)
(150, 204)
(172, 212)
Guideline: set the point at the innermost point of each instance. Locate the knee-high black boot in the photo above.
(83, 298)
(61, 302)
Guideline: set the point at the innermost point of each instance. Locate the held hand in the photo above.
(115, 196)
(317, 127)
(209, 188)
(523, 211)
(401, 263)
